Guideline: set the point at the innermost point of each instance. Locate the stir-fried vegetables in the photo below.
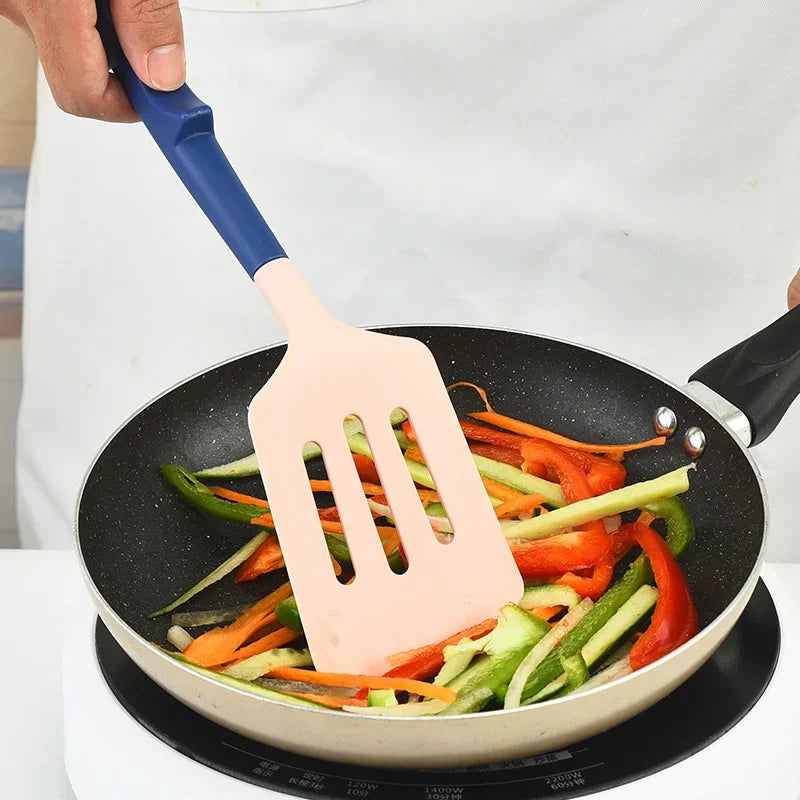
(560, 503)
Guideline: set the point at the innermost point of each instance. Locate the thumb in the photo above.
(151, 34)
(793, 295)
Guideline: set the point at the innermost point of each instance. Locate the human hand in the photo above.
(75, 63)
(793, 294)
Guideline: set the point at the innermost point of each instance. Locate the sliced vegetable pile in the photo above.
(560, 504)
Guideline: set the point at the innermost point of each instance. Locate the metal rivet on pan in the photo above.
(694, 442)
(665, 421)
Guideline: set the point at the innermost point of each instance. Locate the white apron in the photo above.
(623, 175)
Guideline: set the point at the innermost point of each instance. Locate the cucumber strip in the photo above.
(244, 467)
(603, 641)
(261, 664)
(178, 637)
(616, 655)
(230, 564)
(419, 472)
(382, 698)
(435, 510)
(245, 686)
(552, 689)
(241, 468)
(549, 594)
(519, 480)
(469, 703)
(541, 650)
(425, 709)
(195, 619)
(575, 671)
(630, 613)
(636, 495)
(302, 687)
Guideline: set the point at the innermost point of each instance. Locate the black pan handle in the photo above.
(761, 375)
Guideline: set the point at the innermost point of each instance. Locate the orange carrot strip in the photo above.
(238, 497)
(328, 526)
(500, 490)
(365, 682)
(218, 645)
(277, 638)
(330, 701)
(327, 486)
(415, 454)
(513, 507)
(391, 542)
(526, 429)
(337, 567)
(546, 612)
(481, 392)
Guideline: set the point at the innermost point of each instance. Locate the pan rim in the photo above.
(745, 590)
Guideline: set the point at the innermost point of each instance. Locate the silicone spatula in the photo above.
(332, 371)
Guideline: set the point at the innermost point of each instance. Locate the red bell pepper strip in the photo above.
(602, 473)
(505, 455)
(570, 475)
(425, 662)
(366, 469)
(593, 585)
(565, 552)
(267, 558)
(674, 620)
(481, 433)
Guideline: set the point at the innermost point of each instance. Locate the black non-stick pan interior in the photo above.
(143, 546)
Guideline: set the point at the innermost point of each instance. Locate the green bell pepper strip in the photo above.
(576, 671)
(680, 533)
(199, 496)
(287, 614)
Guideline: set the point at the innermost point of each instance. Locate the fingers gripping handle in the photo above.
(183, 127)
(761, 375)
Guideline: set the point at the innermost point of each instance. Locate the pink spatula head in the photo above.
(332, 371)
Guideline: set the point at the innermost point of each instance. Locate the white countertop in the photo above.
(37, 590)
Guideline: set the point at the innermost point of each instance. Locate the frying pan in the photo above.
(141, 546)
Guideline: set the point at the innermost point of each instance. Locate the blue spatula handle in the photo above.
(183, 127)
